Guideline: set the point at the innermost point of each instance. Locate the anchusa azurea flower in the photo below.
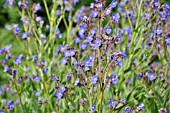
(111, 54)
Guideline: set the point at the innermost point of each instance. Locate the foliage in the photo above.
(102, 57)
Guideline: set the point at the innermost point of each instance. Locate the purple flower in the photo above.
(141, 106)
(92, 5)
(83, 46)
(156, 4)
(37, 93)
(25, 35)
(72, 52)
(151, 76)
(94, 79)
(127, 109)
(94, 13)
(35, 58)
(107, 11)
(119, 63)
(88, 62)
(113, 4)
(59, 95)
(38, 7)
(16, 29)
(40, 101)
(62, 88)
(58, 12)
(19, 79)
(108, 30)
(158, 31)
(66, 53)
(89, 38)
(68, 76)
(162, 110)
(93, 107)
(6, 68)
(113, 79)
(116, 17)
(112, 102)
(10, 2)
(64, 61)
(17, 101)
(42, 36)
(112, 56)
(139, 75)
(45, 70)
(77, 39)
(1, 111)
(11, 104)
(18, 59)
(36, 78)
(77, 81)
(97, 42)
(167, 40)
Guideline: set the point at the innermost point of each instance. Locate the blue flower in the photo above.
(83, 46)
(89, 38)
(139, 75)
(127, 109)
(10, 2)
(42, 36)
(141, 106)
(92, 5)
(113, 4)
(45, 70)
(107, 11)
(35, 58)
(119, 63)
(38, 7)
(16, 28)
(77, 39)
(156, 4)
(158, 31)
(59, 95)
(64, 61)
(24, 35)
(62, 88)
(93, 107)
(88, 62)
(68, 76)
(19, 79)
(167, 40)
(116, 17)
(1, 111)
(6, 68)
(151, 76)
(108, 30)
(11, 104)
(94, 13)
(39, 101)
(18, 59)
(58, 12)
(17, 101)
(37, 93)
(77, 82)
(36, 78)
(112, 56)
(113, 79)
(112, 102)
(94, 79)
(97, 42)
